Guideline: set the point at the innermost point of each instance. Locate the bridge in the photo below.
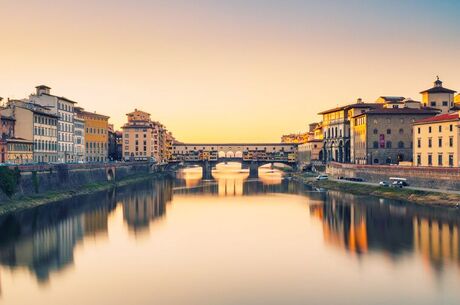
(250, 155)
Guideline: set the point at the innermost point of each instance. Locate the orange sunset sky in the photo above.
(227, 71)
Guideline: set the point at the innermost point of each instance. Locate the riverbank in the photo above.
(415, 196)
(26, 202)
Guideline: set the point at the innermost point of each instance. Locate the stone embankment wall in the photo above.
(431, 177)
(37, 179)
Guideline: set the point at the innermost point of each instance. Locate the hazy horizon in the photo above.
(227, 71)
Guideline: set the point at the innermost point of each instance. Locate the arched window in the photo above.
(400, 144)
(376, 144)
(376, 131)
(388, 144)
(388, 131)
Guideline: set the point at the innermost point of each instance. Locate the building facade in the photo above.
(438, 97)
(96, 135)
(79, 137)
(384, 135)
(336, 130)
(37, 124)
(6, 132)
(64, 109)
(436, 141)
(140, 137)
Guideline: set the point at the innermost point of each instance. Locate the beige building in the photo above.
(311, 150)
(37, 124)
(436, 141)
(384, 135)
(438, 97)
(142, 138)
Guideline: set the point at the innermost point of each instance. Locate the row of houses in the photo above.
(46, 128)
(391, 130)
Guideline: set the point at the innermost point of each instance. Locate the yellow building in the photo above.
(438, 97)
(96, 135)
(436, 141)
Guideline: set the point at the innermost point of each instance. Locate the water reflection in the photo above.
(361, 224)
(44, 240)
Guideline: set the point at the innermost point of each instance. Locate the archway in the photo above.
(221, 154)
(239, 154)
(230, 154)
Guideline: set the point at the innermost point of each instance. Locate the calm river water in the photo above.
(229, 241)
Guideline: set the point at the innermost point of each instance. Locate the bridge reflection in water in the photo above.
(229, 178)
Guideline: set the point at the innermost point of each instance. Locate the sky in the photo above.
(227, 71)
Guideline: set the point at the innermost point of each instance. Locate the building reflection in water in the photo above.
(366, 224)
(43, 239)
(143, 205)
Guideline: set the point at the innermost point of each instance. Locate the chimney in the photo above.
(42, 89)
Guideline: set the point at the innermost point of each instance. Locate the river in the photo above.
(229, 241)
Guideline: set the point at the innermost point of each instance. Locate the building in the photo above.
(312, 149)
(6, 133)
(384, 135)
(37, 124)
(119, 142)
(144, 139)
(438, 97)
(112, 143)
(20, 151)
(436, 141)
(64, 109)
(336, 130)
(79, 137)
(140, 137)
(457, 99)
(297, 138)
(96, 135)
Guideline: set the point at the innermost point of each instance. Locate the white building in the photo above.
(64, 109)
(79, 137)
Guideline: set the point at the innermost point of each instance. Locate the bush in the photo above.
(9, 180)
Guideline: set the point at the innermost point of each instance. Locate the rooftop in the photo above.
(439, 118)
(438, 88)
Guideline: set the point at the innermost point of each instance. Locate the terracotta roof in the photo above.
(439, 118)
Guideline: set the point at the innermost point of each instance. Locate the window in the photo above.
(376, 131)
(445, 103)
(401, 131)
(388, 131)
(430, 160)
(429, 129)
(439, 128)
(440, 142)
(433, 104)
(418, 130)
(419, 143)
(388, 144)
(419, 159)
(450, 127)
(440, 159)
(451, 141)
(376, 144)
(400, 144)
(429, 142)
(376, 161)
(451, 160)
